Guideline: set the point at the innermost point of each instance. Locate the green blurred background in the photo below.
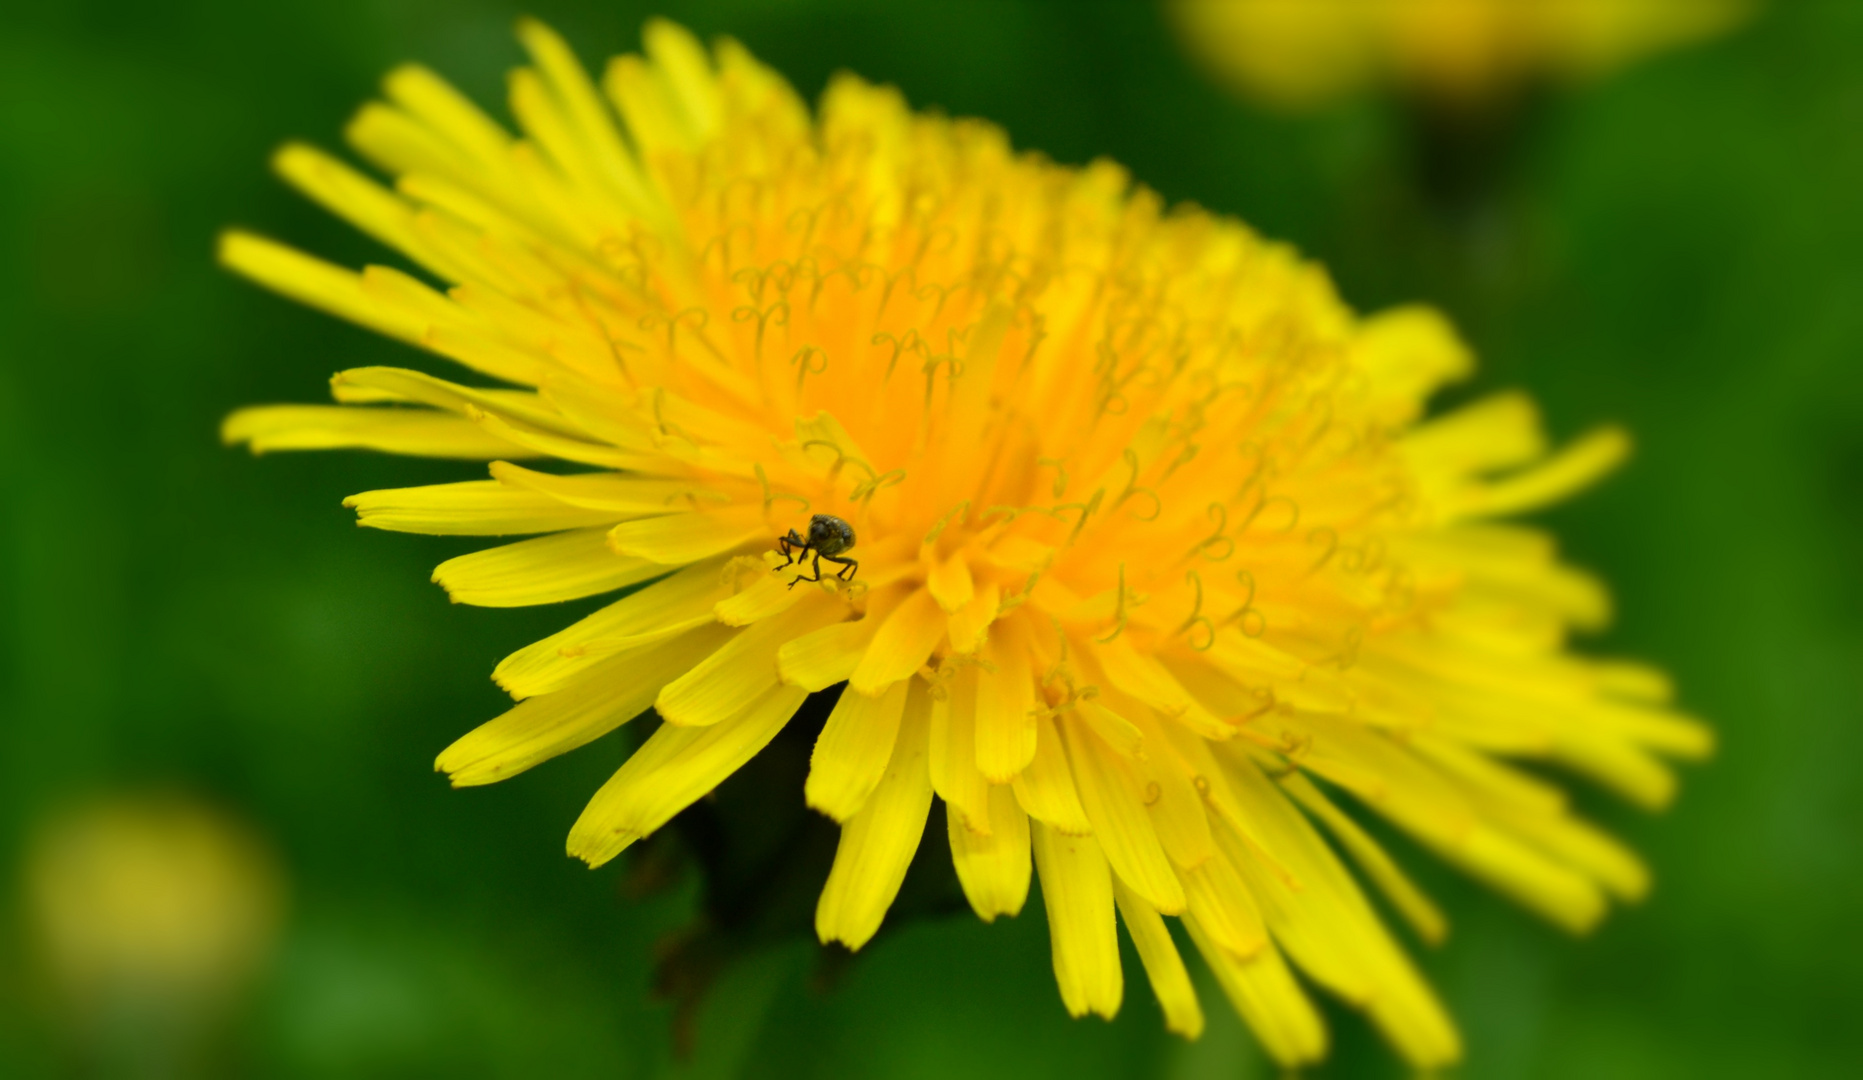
(1680, 248)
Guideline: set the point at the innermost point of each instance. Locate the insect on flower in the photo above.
(1122, 474)
(828, 537)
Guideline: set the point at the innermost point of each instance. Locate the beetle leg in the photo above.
(802, 575)
(789, 546)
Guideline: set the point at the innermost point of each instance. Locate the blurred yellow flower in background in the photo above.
(1157, 557)
(1302, 53)
(150, 915)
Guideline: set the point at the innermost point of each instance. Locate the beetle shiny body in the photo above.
(828, 537)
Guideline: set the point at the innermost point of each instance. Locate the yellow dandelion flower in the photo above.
(1299, 53)
(1157, 565)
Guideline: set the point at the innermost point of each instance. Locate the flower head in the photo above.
(1302, 52)
(1157, 563)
